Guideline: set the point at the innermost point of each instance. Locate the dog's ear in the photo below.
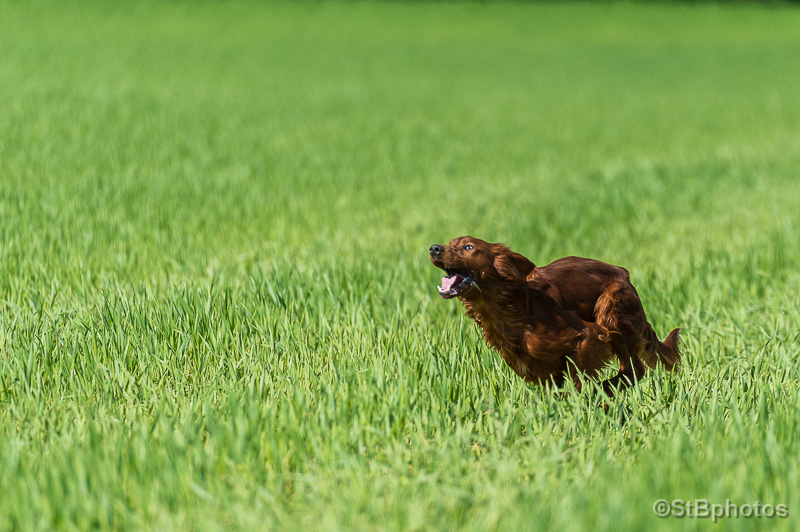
(511, 265)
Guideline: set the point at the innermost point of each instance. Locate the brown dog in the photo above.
(574, 313)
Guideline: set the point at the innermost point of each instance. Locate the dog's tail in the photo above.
(667, 352)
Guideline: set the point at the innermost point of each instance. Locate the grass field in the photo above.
(216, 309)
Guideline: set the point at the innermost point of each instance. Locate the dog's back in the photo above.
(577, 283)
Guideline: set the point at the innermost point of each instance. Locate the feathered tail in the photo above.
(667, 352)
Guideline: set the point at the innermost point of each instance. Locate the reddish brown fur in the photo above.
(574, 313)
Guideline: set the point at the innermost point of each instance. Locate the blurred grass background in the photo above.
(216, 309)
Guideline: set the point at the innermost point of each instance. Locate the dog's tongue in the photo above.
(449, 281)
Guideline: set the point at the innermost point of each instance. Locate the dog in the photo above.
(548, 322)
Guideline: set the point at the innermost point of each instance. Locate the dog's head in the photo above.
(473, 266)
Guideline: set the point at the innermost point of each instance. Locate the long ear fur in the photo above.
(511, 265)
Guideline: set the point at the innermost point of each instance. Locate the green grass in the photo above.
(216, 310)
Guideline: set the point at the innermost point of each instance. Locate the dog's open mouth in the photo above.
(455, 281)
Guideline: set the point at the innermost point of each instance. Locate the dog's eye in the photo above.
(468, 247)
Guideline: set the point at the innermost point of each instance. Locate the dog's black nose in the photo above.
(436, 250)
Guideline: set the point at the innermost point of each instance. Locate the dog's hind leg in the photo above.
(615, 299)
(631, 368)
